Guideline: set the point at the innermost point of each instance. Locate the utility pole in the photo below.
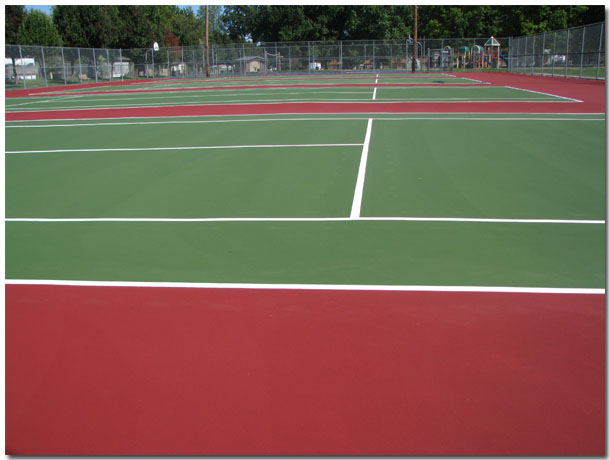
(414, 63)
(207, 45)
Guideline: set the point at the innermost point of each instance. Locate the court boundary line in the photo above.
(292, 101)
(546, 94)
(403, 118)
(355, 212)
(301, 113)
(324, 287)
(208, 147)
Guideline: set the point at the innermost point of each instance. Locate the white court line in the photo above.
(272, 101)
(253, 120)
(374, 93)
(478, 81)
(546, 94)
(306, 219)
(183, 103)
(202, 147)
(203, 95)
(357, 203)
(71, 125)
(325, 287)
(366, 115)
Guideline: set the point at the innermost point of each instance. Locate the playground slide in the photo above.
(503, 58)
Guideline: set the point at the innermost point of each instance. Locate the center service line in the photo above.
(357, 203)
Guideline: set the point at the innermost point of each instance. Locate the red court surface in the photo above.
(201, 371)
(133, 370)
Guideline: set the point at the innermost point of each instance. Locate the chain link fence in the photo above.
(571, 52)
(576, 52)
(34, 66)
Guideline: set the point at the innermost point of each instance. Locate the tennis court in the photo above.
(340, 264)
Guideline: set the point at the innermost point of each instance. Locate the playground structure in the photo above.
(491, 56)
(481, 57)
(463, 57)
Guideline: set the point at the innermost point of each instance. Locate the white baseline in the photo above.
(325, 287)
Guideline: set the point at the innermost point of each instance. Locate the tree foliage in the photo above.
(13, 17)
(38, 29)
(138, 26)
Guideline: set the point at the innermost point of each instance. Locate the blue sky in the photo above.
(43, 8)
(47, 8)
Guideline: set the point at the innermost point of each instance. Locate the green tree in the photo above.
(188, 28)
(135, 27)
(13, 18)
(37, 29)
(372, 22)
(88, 26)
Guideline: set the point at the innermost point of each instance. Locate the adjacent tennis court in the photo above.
(376, 263)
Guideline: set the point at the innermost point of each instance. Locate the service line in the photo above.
(201, 147)
(357, 203)
(355, 217)
(325, 287)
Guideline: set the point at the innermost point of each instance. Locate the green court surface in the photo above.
(262, 95)
(303, 170)
(296, 79)
(518, 169)
(348, 252)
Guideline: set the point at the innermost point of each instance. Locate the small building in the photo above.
(25, 69)
(120, 67)
(250, 64)
(334, 64)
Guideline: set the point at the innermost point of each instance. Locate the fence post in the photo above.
(110, 69)
(80, 68)
(309, 57)
(567, 54)
(599, 49)
(554, 52)
(533, 53)
(582, 50)
(94, 65)
(289, 60)
(121, 62)
(543, 42)
(63, 65)
(22, 71)
(44, 67)
(340, 55)
(373, 54)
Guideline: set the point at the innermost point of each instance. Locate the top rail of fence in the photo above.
(575, 52)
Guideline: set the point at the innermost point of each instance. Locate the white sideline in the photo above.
(304, 219)
(204, 147)
(299, 113)
(357, 202)
(325, 287)
(545, 94)
(251, 120)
